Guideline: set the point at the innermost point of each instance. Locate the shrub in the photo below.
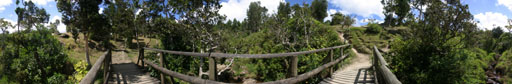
(374, 28)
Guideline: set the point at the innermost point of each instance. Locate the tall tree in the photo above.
(319, 9)
(255, 16)
(82, 15)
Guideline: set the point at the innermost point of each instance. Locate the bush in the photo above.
(374, 28)
(505, 66)
(18, 57)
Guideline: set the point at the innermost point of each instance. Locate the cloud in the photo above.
(61, 27)
(488, 20)
(333, 11)
(507, 3)
(365, 8)
(101, 10)
(41, 2)
(5, 3)
(236, 9)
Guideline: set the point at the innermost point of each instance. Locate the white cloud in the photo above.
(5, 3)
(488, 20)
(333, 11)
(41, 2)
(365, 8)
(236, 9)
(61, 27)
(101, 10)
(507, 3)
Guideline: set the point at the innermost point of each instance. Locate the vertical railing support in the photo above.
(162, 64)
(293, 66)
(212, 68)
(331, 57)
(106, 66)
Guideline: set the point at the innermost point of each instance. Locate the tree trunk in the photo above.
(86, 38)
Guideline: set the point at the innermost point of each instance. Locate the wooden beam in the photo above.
(89, 77)
(224, 55)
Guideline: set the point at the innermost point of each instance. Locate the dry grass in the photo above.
(76, 52)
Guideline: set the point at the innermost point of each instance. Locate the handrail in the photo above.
(292, 78)
(105, 59)
(196, 80)
(306, 75)
(384, 75)
(224, 55)
(191, 79)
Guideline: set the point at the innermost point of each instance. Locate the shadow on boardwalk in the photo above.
(124, 71)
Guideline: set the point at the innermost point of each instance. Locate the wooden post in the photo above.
(141, 52)
(331, 57)
(212, 68)
(293, 66)
(162, 76)
(341, 55)
(138, 58)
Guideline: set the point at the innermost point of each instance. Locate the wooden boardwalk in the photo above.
(349, 73)
(124, 71)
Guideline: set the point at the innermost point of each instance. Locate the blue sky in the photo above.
(489, 13)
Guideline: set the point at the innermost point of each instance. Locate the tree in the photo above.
(319, 9)
(121, 15)
(255, 16)
(82, 15)
(343, 20)
(438, 50)
(284, 11)
(400, 8)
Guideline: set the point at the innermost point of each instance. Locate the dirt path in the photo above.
(127, 72)
(347, 74)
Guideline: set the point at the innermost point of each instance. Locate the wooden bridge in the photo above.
(378, 72)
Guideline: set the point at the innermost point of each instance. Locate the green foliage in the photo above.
(57, 79)
(80, 71)
(374, 28)
(319, 9)
(436, 52)
(400, 8)
(340, 19)
(255, 16)
(505, 66)
(34, 57)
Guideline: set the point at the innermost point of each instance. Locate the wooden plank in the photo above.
(89, 78)
(224, 55)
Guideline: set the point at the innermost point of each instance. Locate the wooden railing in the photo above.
(106, 61)
(383, 74)
(293, 77)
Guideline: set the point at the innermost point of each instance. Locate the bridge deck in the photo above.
(348, 74)
(124, 71)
